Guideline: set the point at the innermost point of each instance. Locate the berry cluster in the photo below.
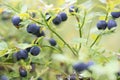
(102, 24)
(23, 54)
(59, 18)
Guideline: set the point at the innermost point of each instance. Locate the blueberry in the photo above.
(73, 9)
(16, 20)
(101, 25)
(22, 72)
(28, 49)
(52, 42)
(57, 20)
(35, 50)
(22, 54)
(79, 67)
(33, 29)
(111, 24)
(3, 77)
(115, 14)
(40, 34)
(63, 16)
(39, 78)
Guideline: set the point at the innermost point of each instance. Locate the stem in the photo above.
(81, 26)
(95, 40)
(36, 21)
(100, 34)
(58, 36)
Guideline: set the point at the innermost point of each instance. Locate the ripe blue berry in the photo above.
(16, 20)
(28, 49)
(79, 67)
(39, 78)
(3, 77)
(101, 25)
(33, 29)
(111, 24)
(63, 16)
(40, 34)
(115, 14)
(22, 72)
(73, 9)
(57, 20)
(35, 50)
(22, 54)
(52, 42)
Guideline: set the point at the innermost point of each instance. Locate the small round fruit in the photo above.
(79, 67)
(16, 20)
(52, 42)
(35, 50)
(115, 14)
(40, 34)
(73, 9)
(33, 29)
(22, 54)
(101, 25)
(111, 24)
(28, 49)
(57, 20)
(63, 16)
(3, 77)
(22, 72)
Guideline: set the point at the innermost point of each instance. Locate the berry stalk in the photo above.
(58, 36)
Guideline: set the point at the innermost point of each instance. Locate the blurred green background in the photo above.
(68, 29)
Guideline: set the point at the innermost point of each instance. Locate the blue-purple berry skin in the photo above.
(52, 42)
(115, 14)
(22, 72)
(111, 24)
(4, 77)
(57, 20)
(63, 16)
(16, 20)
(33, 29)
(101, 25)
(40, 34)
(22, 54)
(79, 67)
(35, 50)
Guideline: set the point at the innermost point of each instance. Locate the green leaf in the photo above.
(3, 45)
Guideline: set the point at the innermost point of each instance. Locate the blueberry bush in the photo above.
(59, 40)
